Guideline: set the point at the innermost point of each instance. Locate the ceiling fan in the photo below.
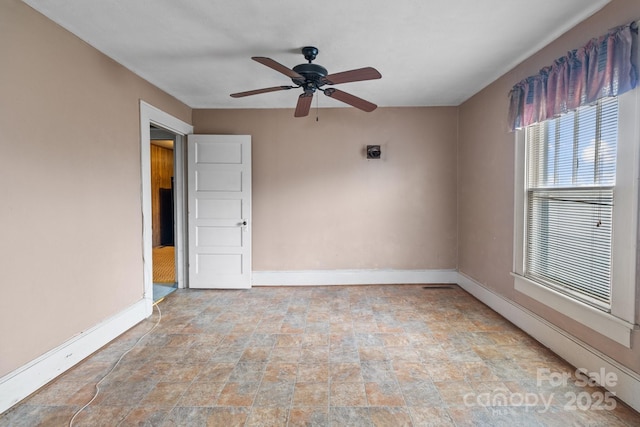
(311, 77)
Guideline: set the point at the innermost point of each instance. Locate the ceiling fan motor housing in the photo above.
(312, 73)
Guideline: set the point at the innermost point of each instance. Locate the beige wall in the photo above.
(486, 170)
(70, 184)
(319, 204)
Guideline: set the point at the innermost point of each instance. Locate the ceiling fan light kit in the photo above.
(311, 77)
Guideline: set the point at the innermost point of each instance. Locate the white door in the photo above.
(219, 202)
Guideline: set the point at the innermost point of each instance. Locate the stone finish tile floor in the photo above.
(350, 356)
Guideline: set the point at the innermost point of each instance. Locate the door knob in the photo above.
(244, 223)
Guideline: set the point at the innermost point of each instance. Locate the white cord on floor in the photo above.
(115, 366)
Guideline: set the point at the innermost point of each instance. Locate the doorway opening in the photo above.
(163, 207)
(151, 116)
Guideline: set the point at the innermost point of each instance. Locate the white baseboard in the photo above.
(351, 277)
(571, 349)
(25, 380)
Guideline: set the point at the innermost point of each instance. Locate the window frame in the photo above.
(618, 323)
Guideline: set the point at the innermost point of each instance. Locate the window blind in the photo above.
(570, 200)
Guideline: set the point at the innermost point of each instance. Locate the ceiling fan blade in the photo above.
(304, 104)
(367, 73)
(257, 91)
(277, 66)
(352, 100)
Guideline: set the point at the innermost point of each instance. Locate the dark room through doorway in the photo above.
(163, 212)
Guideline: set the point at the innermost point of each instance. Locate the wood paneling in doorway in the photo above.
(161, 173)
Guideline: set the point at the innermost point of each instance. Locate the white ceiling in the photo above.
(429, 52)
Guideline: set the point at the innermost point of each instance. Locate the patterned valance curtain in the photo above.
(606, 66)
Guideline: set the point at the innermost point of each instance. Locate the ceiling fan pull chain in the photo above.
(317, 108)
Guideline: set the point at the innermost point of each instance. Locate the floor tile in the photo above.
(308, 417)
(349, 417)
(285, 355)
(378, 371)
(98, 415)
(372, 354)
(430, 417)
(227, 416)
(215, 372)
(423, 394)
(276, 371)
(313, 372)
(384, 394)
(274, 394)
(34, 415)
(164, 394)
(183, 416)
(267, 417)
(390, 416)
(345, 372)
(459, 393)
(347, 394)
(238, 394)
(201, 394)
(249, 372)
(314, 394)
(321, 356)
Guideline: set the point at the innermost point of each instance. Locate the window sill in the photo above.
(601, 322)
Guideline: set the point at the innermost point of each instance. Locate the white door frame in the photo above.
(150, 115)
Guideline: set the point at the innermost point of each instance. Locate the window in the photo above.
(571, 174)
(576, 214)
